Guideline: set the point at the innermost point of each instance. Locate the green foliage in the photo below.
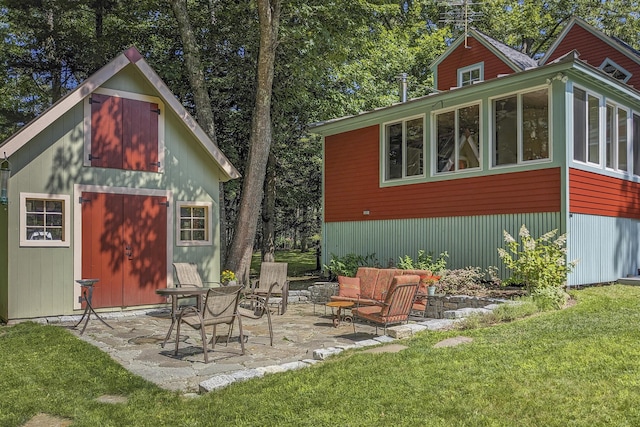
(503, 313)
(425, 262)
(540, 264)
(348, 264)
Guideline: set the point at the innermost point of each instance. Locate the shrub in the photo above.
(425, 262)
(540, 264)
(463, 281)
(348, 264)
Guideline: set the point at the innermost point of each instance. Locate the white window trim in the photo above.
(492, 147)
(602, 117)
(434, 142)
(383, 150)
(609, 61)
(616, 137)
(127, 95)
(477, 66)
(66, 200)
(209, 219)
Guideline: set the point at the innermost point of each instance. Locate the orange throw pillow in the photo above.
(349, 286)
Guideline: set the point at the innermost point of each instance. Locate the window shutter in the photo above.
(106, 131)
(140, 135)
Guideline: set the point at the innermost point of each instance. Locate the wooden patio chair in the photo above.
(396, 306)
(219, 308)
(270, 273)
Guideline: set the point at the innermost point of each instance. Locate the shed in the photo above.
(115, 181)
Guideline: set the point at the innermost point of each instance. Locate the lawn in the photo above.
(578, 367)
(301, 268)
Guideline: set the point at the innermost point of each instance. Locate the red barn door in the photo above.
(124, 244)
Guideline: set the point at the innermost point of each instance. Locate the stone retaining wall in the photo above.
(437, 305)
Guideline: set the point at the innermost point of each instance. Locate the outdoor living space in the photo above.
(136, 338)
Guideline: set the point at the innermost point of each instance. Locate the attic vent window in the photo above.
(615, 71)
(471, 74)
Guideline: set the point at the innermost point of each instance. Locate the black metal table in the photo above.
(87, 294)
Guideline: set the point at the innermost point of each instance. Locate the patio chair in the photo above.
(270, 273)
(396, 306)
(219, 308)
(188, 277)
(255, 306)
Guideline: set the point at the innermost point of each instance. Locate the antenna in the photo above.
(459, 14)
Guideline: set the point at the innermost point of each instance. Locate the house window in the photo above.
(457, 139)
(616, 138)
(615, 71)
(521, 128)
(44, 220)
(123, 131)
(194, 223)
(471, 74)
(404, 149)
(586, 127)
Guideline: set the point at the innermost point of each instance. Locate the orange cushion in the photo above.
(349, 286)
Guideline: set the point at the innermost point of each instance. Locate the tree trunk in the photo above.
(204, 113)
(239, 259)
(269, 212)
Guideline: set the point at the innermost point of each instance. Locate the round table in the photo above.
(338, 317)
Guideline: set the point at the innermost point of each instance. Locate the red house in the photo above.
(505, 141)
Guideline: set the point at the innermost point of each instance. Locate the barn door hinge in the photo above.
(92, 101)
(164, 203)
(81, 200)
(156, 111)
(154, 164)
(92, 157)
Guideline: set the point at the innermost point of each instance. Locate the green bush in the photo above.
(348, 264)
(540, 264)
(425, 262)
(462, 281)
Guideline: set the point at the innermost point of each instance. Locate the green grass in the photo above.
(575, 367)
(300, 263)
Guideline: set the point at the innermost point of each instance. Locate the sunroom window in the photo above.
(635, 138)
(457, 139)
(521, 128)
(616, 138)
(586, 127)
(404, 149)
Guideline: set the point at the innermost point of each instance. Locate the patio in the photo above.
(136, 337)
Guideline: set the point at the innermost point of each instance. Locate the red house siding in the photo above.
(464, 56)
(352, 186)
(594, 50)
(594, 194)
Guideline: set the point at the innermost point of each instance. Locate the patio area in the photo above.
(136, 338)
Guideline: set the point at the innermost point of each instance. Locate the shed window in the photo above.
(521, 128)
(194, 223)
(404, 149)
(44, 220)
(457, 139)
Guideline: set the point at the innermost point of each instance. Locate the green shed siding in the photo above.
(470, 241)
